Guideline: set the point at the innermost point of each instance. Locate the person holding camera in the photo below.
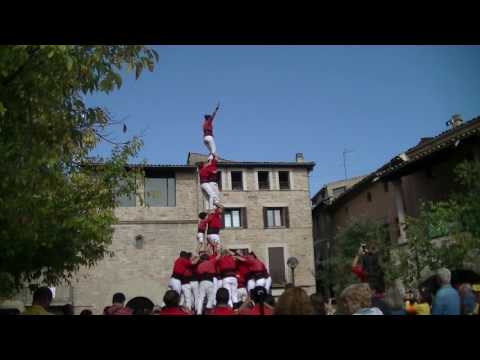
(366, 266)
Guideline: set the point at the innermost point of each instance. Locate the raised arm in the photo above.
(215, 112)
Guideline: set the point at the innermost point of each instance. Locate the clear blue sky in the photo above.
(279, 100)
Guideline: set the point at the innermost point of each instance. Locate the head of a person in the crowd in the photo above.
(42, 297)
(294, 301)
(354, 298)
(222, 297)
(258, 294)
(183, 254)
(171, 299)
(377, 284)
(425, 296)
(444, 276)
(67, 309)
(394, 297)
(288, 286)
(468, 298)
(371, 248)
(202, 215)
(119, 298)
(270, 300)
(318, 304)
(203, 256)
(86, 312)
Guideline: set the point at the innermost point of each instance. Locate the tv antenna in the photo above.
(345, 152)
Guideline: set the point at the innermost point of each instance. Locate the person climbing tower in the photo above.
(208, 139)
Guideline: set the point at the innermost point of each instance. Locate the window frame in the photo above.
(241, 180)
(268, 182)
(242, 218)
(289, 180)
(285, 266)
(284, 216)
(161, 175)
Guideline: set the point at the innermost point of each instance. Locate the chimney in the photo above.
(299, 158)
(455, 121)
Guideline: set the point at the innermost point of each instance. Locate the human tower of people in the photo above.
(197, 278)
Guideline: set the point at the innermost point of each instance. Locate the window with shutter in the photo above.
(159, 188)
(276, 265)
(275, 217)
(233, 218)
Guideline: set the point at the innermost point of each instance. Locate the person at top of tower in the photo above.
(208, 181)
(208, 132)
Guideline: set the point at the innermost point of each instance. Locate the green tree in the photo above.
(337, 269)
(56, 211)
(446, 233)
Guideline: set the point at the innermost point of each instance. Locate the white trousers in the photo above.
(195, 291)
(252, 283)
(211, 193)
(231, 284)
(268, 284)
(209, 141)
(176, 285)
(200, 237)
(214, 238)
(206, 289)
(186, 298)
(242, 294)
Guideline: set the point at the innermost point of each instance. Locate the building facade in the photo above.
(267, 210)
(396, 190)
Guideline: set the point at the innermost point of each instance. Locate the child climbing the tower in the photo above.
(208, 139)
(214, 223)
(201, 230)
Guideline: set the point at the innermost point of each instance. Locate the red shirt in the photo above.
(215, 220)
(361, 274)
(222, 311)
(207, 267)
(117, 310)
(226, 263)
(256, 311)
(242, 270)
(208, 127)
(255, 265)
(173, 311)
(208, 173)
(202, 225)
(181, 265)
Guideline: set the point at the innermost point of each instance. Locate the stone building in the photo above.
(398, 188)
(267, 210)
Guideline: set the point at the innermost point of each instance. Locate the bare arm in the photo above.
(215, 112)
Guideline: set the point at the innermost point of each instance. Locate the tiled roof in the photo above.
(231, 163)
(422, 150)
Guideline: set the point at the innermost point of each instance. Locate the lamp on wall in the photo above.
(292, 263)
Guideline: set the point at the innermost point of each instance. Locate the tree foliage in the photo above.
(446, 233)
(56, 211)
(337, 268)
